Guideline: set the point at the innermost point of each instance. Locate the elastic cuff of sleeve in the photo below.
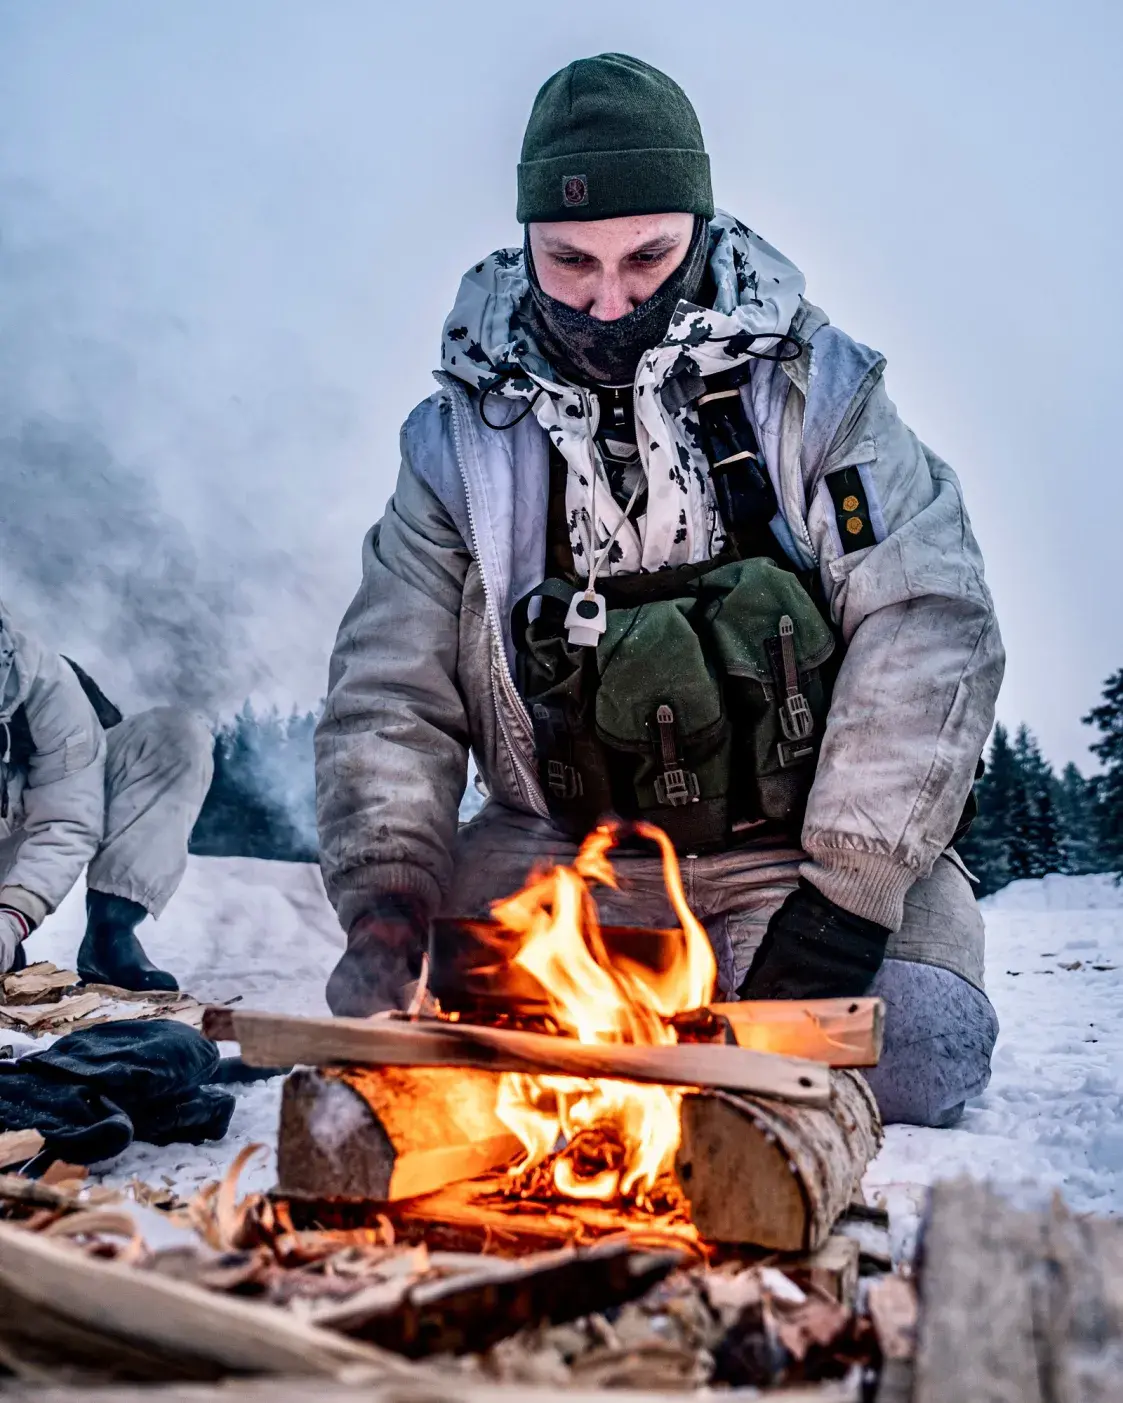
(32, 908)
(867, 884)
(358, 891)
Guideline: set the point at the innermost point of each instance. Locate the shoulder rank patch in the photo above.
(851, 509)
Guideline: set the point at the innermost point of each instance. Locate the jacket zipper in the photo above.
(527, 777)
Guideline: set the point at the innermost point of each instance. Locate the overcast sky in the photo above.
(229, 235)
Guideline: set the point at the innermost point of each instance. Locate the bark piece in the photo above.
(271, 1040)
(18, 1146)
(388, 1133)
(838, 1032)
(37, 984)
(771, 1174)
(477, 1310)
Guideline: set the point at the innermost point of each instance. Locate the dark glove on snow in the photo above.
(384, 951)
(814, 949)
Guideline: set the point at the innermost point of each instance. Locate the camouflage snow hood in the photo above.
(488, 345)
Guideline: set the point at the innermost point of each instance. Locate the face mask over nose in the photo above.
(595, 352)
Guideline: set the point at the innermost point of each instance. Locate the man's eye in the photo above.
(570, 260)
(650, 256)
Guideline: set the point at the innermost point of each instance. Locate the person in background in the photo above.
(83, 787)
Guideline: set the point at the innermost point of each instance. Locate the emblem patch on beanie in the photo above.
(575, 190)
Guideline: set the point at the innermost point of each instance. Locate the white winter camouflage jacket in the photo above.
(422, 667)
(55, 797)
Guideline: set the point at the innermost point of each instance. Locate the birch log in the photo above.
(388, 1133)
(773, 1174)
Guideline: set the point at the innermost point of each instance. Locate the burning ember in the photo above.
(618, 1137)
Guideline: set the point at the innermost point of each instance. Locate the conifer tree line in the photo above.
(1031, 821)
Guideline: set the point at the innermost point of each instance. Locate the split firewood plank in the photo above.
(771, 1174)
(388, 1133)
(272, 1040)
(18, 1146)
(982, 1262)
(838, 1032)
(162, 1314)
(50, 1017)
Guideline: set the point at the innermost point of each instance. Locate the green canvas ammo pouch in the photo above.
(701, 708)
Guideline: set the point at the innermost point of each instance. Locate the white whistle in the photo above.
(585, 621)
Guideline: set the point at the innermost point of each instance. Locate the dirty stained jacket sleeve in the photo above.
(914, 700)
(64, 794)
(392, 747)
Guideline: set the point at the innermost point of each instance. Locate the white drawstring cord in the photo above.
(597, 560)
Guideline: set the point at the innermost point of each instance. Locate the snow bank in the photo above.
(1051, 1119)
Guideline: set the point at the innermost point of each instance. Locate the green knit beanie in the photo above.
(610, 136)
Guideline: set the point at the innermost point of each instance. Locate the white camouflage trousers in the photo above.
(158, 769)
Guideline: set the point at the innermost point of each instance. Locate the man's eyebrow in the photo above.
(658, 244)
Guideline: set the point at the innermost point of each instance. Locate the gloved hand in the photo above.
(814, 949)
(14, 929)
(384, 951)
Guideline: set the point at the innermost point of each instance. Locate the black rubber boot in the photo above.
(110, 952)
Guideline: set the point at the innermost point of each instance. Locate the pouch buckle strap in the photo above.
(555, 751)
(796, 720)
(676, 786)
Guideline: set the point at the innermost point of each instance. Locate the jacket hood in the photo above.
(758, 292)
(18, 666)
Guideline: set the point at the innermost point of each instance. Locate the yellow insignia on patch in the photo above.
(854, 524)
(850, 504)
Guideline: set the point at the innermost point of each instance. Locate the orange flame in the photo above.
(598, 996)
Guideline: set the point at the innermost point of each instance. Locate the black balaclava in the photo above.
(595, 352)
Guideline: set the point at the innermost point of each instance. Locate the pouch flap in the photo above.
(650, 655)
(751, 598)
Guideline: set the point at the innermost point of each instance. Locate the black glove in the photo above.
(384, 951)
(814, 949)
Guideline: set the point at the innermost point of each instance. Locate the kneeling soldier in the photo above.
(81, 784)
(661, 547)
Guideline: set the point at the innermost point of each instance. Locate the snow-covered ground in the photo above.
(1051, 1119)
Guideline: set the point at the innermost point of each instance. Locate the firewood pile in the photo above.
(101, 1287)
(44, 999)
(104, 1295)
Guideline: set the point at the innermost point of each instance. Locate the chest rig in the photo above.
(702, 706)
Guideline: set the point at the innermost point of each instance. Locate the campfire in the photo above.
(578, 1083)
(586, 1138)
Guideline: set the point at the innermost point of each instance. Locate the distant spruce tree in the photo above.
(1034, 840)
(985, 849)
(1075, 799)
(1108, 720)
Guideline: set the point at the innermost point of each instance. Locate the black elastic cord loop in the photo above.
(510, 424)
(793, 341)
